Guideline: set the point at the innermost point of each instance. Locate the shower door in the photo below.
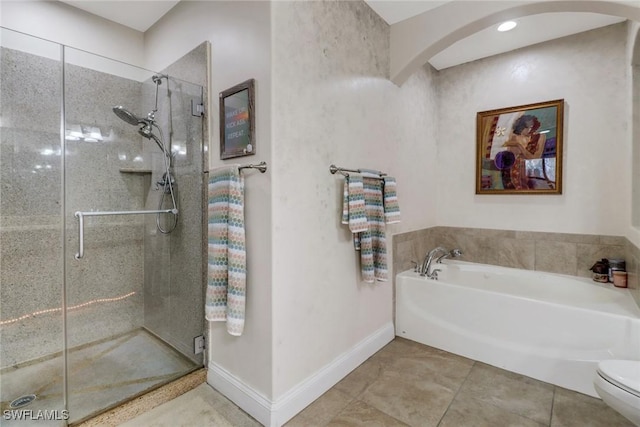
(134, 296)
(31, 231)
(95, 312)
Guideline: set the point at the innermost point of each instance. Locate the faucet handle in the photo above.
(434, 273)
(415, 266)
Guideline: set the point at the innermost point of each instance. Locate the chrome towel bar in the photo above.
(344, 171)
(262, 166)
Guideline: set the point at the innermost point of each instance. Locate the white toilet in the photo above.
(618, 384)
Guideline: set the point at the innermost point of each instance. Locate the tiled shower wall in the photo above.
(175, 269)
(125, 256)
(562, 253)
(30, 206)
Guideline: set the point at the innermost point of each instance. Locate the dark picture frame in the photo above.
(237, 121)
(519, 149)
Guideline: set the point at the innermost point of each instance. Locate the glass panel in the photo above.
(132, 300)
(173, 262)
(31, 274)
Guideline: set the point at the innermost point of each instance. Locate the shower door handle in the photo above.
(81, 215)
(80, 252)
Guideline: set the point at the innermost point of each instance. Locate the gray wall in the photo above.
(590, 72)
(333, 103)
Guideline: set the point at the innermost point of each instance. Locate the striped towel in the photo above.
(391, 207)
(372, 242)
(363, 211)
(353, 206)
(226, 277)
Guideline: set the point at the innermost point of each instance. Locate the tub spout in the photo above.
(453, 253)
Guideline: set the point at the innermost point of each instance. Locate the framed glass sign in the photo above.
(237, 121)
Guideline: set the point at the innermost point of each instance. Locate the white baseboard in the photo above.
(276, 413)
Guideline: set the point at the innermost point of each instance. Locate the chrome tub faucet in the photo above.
(425, 269)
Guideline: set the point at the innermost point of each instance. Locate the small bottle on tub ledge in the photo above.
(601, 271)
(619, 279)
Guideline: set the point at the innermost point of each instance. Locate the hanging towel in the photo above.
(391, 207)
(226, 277)
(373, 246)
(353, 206)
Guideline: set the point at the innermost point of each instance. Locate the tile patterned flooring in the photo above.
(410, 384)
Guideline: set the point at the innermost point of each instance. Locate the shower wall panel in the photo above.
(105, 288)
(108, 280)
(30, 223)
(174, 281)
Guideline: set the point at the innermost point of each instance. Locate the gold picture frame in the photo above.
(519, 149)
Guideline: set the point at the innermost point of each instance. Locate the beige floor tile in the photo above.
(400, 347)
(430, 365)
(320, 412)
(407, 383)
(417, 403)
(512, 392)
(192, 409)
(236, 416)
(359, 414)
(571, 409)
(360, 378)
(469, 412)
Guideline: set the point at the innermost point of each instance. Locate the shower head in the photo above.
(127, 116)
(145, 125)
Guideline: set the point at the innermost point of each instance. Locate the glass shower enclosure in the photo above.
(101, 230)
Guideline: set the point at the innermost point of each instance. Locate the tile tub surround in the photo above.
(632, 258)
(562, 253)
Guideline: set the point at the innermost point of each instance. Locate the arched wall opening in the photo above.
(416, 40)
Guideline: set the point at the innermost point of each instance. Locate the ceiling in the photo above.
(138, 14)
(142, 14)
(489, 41)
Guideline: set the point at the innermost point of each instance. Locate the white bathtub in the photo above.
(551, 327)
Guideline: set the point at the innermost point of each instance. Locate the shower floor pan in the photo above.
(101, 376)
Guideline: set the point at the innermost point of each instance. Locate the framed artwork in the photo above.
(237, 121)
(519, 149)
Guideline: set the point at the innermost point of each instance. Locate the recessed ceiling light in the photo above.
(506, 26)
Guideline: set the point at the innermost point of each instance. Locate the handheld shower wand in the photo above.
(146, 129)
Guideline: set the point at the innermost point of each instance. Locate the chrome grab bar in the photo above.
(81, 215)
